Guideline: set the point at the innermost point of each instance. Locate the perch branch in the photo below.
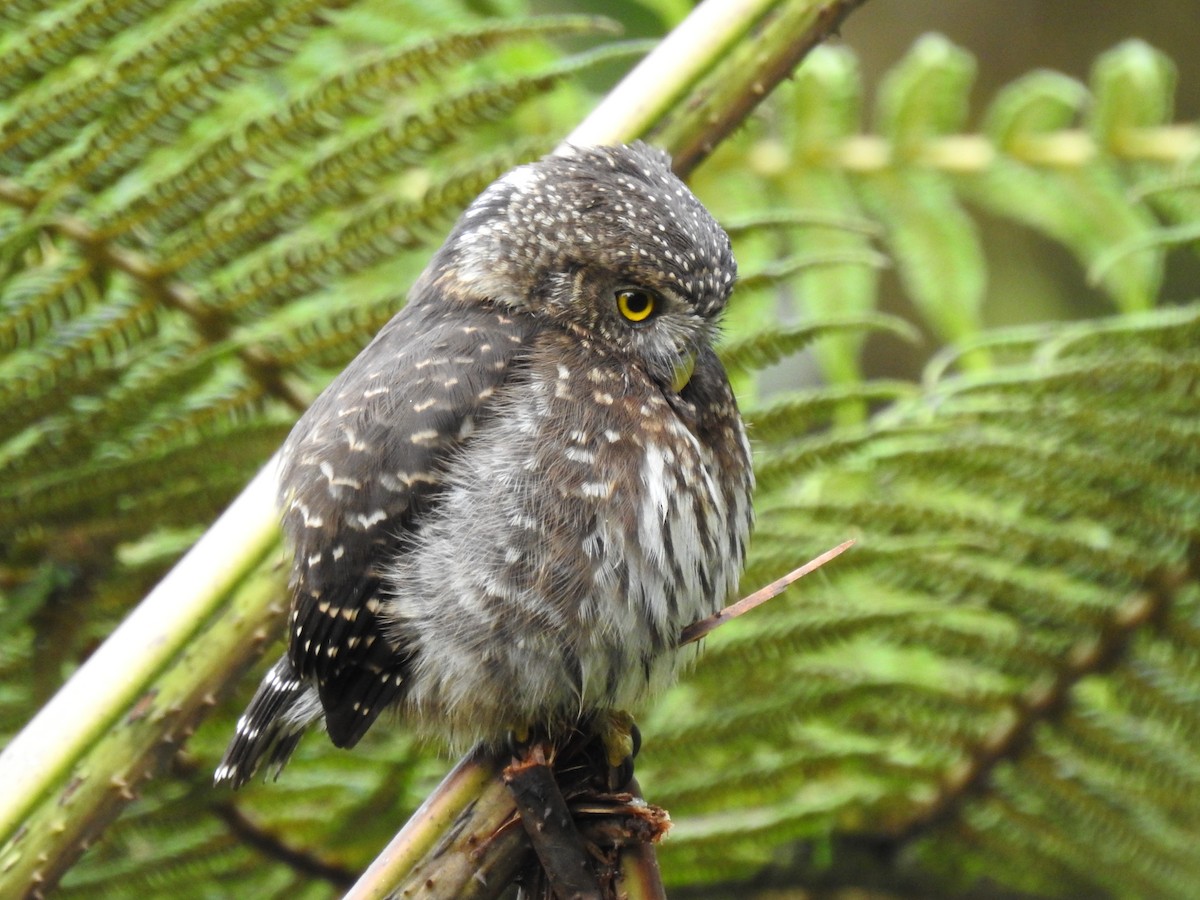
(550, 828)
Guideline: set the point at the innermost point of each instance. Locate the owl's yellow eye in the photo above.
(635, 305)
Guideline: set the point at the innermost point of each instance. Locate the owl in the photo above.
(507, 507)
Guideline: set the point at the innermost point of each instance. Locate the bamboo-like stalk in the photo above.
(649, 92)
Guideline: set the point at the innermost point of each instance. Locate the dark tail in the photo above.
(282, 709)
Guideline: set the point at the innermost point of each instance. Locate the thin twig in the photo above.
(699, 629)
(272, 846)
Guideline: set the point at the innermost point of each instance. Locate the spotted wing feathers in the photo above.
(357, 469)
(280, 711)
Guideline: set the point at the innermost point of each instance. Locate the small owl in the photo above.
(508, 506)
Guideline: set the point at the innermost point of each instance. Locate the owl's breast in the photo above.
(586, 524)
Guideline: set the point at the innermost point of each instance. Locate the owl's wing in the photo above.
(358, 467)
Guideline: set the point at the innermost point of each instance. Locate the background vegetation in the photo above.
(966, 334)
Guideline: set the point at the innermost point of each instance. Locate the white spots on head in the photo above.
(425, 437)
(422, 405)
(338, 552)
(522, 178)
(621, 207)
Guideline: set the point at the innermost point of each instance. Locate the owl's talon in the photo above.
(518, 742)
(621, 741)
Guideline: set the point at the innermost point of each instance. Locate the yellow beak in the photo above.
(683, 372)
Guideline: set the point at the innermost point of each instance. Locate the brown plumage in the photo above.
(507, 507)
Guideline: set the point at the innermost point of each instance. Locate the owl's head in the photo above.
(605, 242)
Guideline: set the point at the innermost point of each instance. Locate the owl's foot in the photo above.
(621, 740)
(518, 741)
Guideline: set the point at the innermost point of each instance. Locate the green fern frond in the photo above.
(935, 246)
(330, 335)
(210, 413)
(178, 97)
(761, 350)
(41, 49)
(53, 114)
(154, 381)
(37, 382)
(781, 418)
(1006, 567)
(35, 301)
(205, 462)
(20, 12)
(381, 230)
(350, 170)
(219, 169)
